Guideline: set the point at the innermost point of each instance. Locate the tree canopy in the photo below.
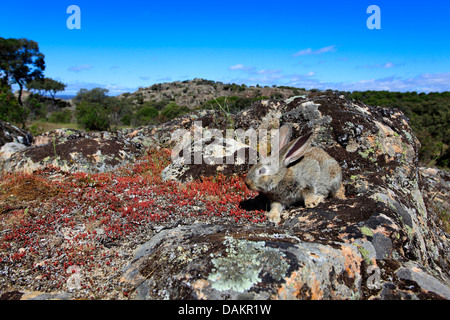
(20, 62)
(46, 85)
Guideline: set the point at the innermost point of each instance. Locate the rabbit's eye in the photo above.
(262, 171)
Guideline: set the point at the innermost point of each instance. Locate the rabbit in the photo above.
(304, 173)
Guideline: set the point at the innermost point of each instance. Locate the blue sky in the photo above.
(123, 45)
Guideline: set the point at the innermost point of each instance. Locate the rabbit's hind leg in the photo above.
(312, 200)
(340, 193)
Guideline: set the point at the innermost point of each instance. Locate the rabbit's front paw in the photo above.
(274, 217)
(275, 212)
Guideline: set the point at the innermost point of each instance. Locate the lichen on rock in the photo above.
(243, 263)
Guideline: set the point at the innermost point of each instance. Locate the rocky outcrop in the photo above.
(382, 242)
(192, 93)
(11, 134)
(76, 150)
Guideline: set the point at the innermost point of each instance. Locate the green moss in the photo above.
(367, 231)
(366, 154)
(409, 231)
(243, 263)
(366, 254)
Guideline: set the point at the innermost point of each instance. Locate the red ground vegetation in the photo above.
(50, 220)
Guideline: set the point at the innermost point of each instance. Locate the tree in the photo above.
(145, 116)
(172, 110)
(119, 109)
(53, 87)
(93, 95)
(37, 86)
(46, 85)
(20, 62)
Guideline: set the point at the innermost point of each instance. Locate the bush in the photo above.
(429, 116)
(10, 110)
(64, 116)
(230, 104)
(92, 116)
(118, 109)
(145, 116)
(37, 109)
(172, 110)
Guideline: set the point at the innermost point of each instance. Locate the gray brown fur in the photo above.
(308, 175)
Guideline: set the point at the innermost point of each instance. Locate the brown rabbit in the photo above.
(298, 172)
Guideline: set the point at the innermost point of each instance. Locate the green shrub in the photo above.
(172, 110)
(64, 116)
(231, 104)
(145, 116)
(10, 110)
(92, 116)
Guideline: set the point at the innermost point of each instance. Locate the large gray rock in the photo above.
(76, 150)
(233, 262)
(10, 133)
(382, 242)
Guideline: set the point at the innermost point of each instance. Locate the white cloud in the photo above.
(303, 52)
(253, 70)
(310, 51)
(388, 65)
(325, 49)
(237, 67)
(426, 82)
(80, 68)
(264, 71)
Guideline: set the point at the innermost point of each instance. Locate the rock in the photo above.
(10, 133)
(436, 190)
(75, 150)
(36, 295)
(216, 154)
(229, 262)
(10, 148)
(382, 242)
(412, 272)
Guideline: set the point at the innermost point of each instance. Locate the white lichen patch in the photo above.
(243, 264)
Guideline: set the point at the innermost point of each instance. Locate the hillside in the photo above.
(428, 113)
(193, 93)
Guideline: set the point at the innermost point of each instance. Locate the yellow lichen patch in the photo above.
(352, 261)
(291, 288)
(198, 286)
(316, 291)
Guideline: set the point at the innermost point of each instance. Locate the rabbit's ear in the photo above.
(297, 149)
(285, 135)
